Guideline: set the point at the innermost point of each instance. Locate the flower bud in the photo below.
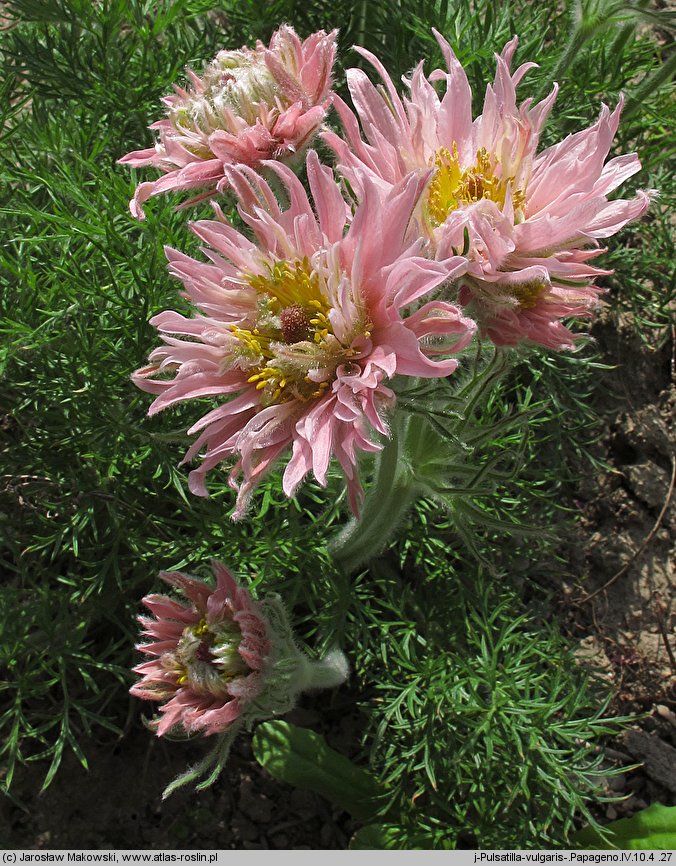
(223, 660)
(250, 105)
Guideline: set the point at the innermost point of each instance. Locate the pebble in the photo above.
(243, 828)
(303, 802)
(255, 805)
(326, 836)
(658, 757)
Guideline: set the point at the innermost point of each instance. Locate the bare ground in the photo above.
(620, 605)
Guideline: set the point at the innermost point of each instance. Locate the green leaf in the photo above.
(652, 829)
(376, 837)
(302, 758)
(392, 837)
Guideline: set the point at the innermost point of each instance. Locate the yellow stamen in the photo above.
(288, 334)
(287, 284)
(452, 187)
(528, 294)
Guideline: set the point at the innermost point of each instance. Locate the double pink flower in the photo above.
(528, 222)
(298, 332)
(297, 327)
(248, 107)
(209, 657)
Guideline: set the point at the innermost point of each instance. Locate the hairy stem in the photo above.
(391, 494)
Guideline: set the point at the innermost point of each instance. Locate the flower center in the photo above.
(528, 294)
(295, 324)
(236, 81)
(520, 296)
(207, 657)
(241, 81)
(452, 187)
(290, 350)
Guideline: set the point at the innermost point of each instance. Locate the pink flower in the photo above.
(249, 106)
(299, 332)
(221, 662)
(209, 657)
(529, 223)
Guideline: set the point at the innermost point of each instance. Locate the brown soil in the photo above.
(618, 607)
(118, 804)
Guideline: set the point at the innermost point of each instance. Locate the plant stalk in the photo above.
(386, 503)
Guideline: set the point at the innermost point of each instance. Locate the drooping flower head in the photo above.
(249, 106)
(300, 330)
(529, 222)
(220, 659)
(210, 657)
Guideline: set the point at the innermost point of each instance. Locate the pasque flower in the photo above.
(528, 222)
(209, 657)
(298, 332)
(250, 105)
(221, 659)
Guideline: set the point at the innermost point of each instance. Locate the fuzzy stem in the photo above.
(387, 501)
(577, 40)
(649, 85)
(327, 673)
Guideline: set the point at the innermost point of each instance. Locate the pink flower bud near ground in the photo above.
(221, 660)
(528, 222)
(250, 105)
(209, 656)
(298, 332)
